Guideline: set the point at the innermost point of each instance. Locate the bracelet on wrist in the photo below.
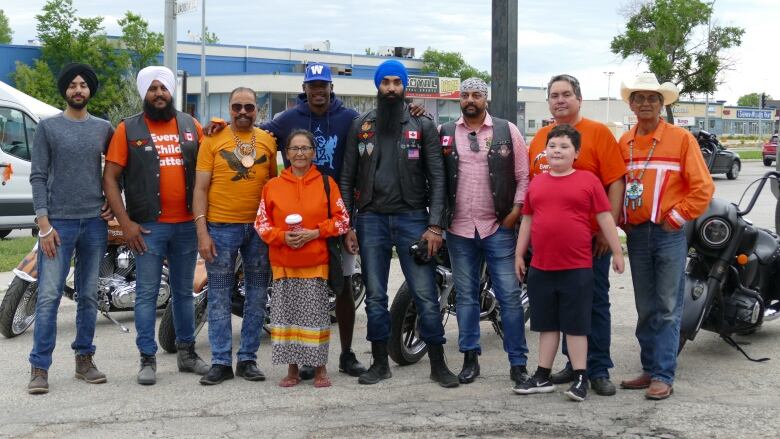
(198, 217)
(435, 232)
(43, 235)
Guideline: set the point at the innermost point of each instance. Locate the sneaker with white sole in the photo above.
(578, 390)
(534, 384)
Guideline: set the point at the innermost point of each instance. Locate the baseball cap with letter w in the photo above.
(317, 72)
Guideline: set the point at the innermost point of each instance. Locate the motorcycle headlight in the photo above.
(715, 232)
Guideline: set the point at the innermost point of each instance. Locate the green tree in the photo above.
(211, 37)
(676, 40)
(144, 45)
(751, 100)
(67, 38)
(450, 64)
(5, 29)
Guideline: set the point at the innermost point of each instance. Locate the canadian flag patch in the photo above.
(446, 141)
(188, 136)
(412, 135)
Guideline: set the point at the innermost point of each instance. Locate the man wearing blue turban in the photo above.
(393, 175)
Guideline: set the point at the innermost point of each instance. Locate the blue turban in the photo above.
(391, 67)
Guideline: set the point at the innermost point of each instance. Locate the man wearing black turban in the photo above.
(71, 214)
(69, 72)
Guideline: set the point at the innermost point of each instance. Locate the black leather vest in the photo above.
(501, 168)
(142, 173)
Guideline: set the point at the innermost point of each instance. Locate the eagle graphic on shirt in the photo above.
(242, 173)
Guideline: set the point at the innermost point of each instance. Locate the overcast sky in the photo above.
(555, 36)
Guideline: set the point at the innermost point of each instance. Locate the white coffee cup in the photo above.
(294, 221)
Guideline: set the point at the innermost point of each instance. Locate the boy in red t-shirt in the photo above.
(557, 217)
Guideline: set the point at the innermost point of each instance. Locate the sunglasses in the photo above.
(651, 99)
(297, 149)
(473, 143)
(247, 107)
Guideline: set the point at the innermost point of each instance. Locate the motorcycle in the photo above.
(116, 286)
(732, 277)
(405, 345)
(167, 333)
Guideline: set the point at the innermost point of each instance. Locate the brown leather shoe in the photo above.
(640, 382)
(658, 390)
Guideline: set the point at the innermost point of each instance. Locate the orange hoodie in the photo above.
(288, 194)
(677, 185)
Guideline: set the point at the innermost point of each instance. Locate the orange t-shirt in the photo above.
(165, 136)
(234, 192)
(599, 152)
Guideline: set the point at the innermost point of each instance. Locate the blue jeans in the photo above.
(600, 338)
(178, 244)
(657, 260)
(87, 237)
(498, 250)
(229, 240)
(377, 234)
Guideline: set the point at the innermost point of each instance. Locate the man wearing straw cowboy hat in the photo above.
(667, 185)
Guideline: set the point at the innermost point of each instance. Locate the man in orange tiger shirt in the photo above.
(667, 185)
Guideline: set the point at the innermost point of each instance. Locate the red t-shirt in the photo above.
(562, 208)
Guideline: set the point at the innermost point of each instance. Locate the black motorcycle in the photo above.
(167, 333)
(405, 345)
(732, 278)
(116, 286)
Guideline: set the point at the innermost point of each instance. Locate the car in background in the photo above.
(769, 151)
(19, 117)
(719, 160)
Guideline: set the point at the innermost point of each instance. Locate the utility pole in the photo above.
(203, 116)
(503, 84)
(169, 51)
(609, 83)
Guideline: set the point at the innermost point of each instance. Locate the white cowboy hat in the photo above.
(648, 82)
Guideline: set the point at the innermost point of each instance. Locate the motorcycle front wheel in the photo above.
(405, 345)
(167, 332)
(17, 312)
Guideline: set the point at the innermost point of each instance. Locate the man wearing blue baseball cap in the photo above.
(393, 175)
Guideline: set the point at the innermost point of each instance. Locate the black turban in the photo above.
(70, 71)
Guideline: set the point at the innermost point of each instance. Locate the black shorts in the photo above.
(561, 300)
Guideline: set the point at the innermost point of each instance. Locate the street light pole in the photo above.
(169, 53)
(203, 116)
(609, 83)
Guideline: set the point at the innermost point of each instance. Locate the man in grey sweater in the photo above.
(71, 213)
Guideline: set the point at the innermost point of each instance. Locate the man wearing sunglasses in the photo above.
(487, 175)
(233, 166)
(154, 153)
(600, 154)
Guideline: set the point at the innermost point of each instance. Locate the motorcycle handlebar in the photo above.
(768, 175)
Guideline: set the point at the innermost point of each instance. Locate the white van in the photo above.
(19, 116)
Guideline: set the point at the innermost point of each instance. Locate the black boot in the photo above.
(470, 367)
(380, 368)
(439, 371)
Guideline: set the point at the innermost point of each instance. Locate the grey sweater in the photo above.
(66, 169)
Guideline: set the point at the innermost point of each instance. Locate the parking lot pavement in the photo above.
(718, 393)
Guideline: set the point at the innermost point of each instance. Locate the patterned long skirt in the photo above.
(300, 322)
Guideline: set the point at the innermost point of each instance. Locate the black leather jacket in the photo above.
(421, 174)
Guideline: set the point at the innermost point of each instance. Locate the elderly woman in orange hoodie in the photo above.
(293, 220)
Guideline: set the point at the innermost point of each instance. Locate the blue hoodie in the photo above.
(330, 131)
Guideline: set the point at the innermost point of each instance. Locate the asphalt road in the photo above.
(718, 393)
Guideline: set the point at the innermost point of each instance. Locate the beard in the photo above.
(472, 111)
(389, 111)
(77, 105)
(159, 114)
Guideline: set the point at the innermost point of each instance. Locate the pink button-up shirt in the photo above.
(474, 210)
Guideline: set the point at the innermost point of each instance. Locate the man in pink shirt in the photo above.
(486, 162)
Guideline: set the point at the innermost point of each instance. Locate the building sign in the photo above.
(685, 121)
(433, 87)
(754, 114)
